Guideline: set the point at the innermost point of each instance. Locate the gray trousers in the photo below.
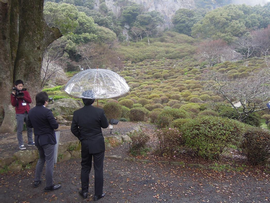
(21, 118)
(46, 154)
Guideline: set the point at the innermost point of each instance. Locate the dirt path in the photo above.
(150, 179)
(142, 181)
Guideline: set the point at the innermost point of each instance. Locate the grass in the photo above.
(227, 167)
(4, 170)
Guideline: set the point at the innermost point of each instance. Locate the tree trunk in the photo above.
(23, 39)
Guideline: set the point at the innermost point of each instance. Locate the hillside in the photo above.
(166, 7)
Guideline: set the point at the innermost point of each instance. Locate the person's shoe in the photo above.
(53, 187)
(83, 194)
(22, 147)
(32, 144)
(36, 183)
(97, 197)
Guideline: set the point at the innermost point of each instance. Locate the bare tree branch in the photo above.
(252, 92)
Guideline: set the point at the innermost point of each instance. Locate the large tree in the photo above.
(24, 37)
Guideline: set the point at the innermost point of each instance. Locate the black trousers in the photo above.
(86, 164)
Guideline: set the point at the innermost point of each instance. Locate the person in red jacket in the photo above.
(20, 99)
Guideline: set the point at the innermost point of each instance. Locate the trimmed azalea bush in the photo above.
(127, 103)
(208, 112)
(192, 108)
(151, 107)
(125, 112)
(173, 102)
(216, 98)
(137, 105)
(143, 101)
(138, 144)
(138, 114)
(256, 145)
(166, 117)
(164, 99)
(205, 97)
(178, 123)
(195, 99)
(113, 110)
(170, 142)
(227, 111)
(153, 115)
(253, 119)
(208, 136)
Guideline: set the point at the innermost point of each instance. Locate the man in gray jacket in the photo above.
(44, 123)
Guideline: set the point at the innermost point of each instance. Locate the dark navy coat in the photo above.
(44, 123)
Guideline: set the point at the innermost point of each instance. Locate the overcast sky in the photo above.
(251, 2)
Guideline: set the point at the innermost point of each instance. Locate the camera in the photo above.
(19, 93)
(51, 100)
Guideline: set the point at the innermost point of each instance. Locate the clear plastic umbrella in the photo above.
(102, 83)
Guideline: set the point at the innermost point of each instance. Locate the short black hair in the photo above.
(41, 98)
(88, 102)
(17, 82)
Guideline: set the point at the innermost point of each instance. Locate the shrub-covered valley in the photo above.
(205, 90)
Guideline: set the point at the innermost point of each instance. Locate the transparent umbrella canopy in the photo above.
(102, 83)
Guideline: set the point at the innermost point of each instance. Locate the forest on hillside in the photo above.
(93, 35)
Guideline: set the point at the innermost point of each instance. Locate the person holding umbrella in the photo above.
(86, 126)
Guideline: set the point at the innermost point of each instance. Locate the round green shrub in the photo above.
(153, 115)
(127, 103)
(138, 114)
(227, 111)
(151, 107)
(195, 100)
(185, 93)
(252, 119)
(151, 96)
(208, 112)
(208, 136)
(205, 97)
(137, 105)
(166, 117)
(164, 121)
(193, 108)
(175, 97)
(177, 105)
(256, 145)
(138, 144)
(178, 123)
(173, 102)
(143, 101)
(170, 141)
(164, 99)
(156, 100)
(112, 110)
(125, 112)
(216, 98)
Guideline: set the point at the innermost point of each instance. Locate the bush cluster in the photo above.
(138, 145)
(112, 110)
(256, 145)
(138, 114)
(127, 103)
(125, 113)
(170, 141)
(166, 117)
